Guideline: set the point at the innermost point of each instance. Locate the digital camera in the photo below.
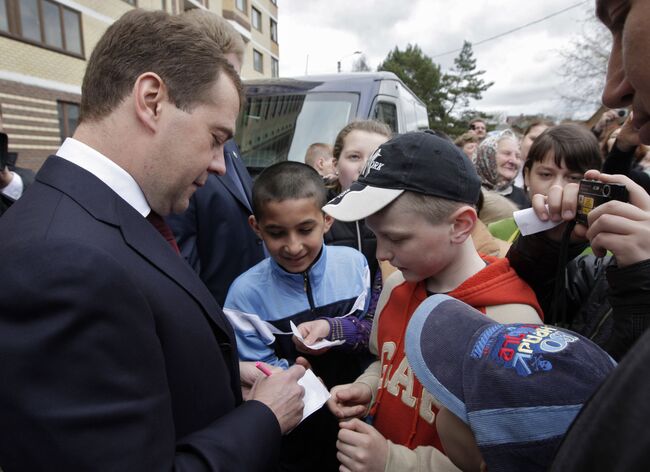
(593, 193)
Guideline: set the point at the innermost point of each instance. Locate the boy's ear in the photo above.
(149, 95)
(253, 224)
(463, 221)
(329, 221)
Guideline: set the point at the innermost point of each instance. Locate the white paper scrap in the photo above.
(528, 222)
(315, 393)
(318, 344)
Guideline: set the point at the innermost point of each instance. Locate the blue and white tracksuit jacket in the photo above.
(263, 300)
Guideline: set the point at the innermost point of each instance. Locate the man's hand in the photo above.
(282, 394)
(350, 400)
(361, 448)
(312, 331)
(622, 228)
(248, 375)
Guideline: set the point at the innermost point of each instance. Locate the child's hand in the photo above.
(361, 447)
(312, 331)
(562, 205)
(350, 400)
(623, 228)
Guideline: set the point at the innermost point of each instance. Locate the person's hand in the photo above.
(622, 228)
(628, 138)
(607, 118)
(560, 204)
(6, 176)
(312, 331)
(282, 394)
(361, 448)
(248, 375)
(350, 400)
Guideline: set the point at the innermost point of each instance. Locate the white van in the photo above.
(283, 116)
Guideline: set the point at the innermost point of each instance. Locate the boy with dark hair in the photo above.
(307, 283)
(418, 194)
(508, 392)
(302, 281)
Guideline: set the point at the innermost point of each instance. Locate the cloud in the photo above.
(524, 65)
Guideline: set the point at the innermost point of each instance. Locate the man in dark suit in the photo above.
(219, 210)
(114, 354)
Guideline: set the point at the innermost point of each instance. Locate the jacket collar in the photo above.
(104, 205)
(315, 272)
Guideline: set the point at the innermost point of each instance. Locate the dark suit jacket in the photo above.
(214, 235)
(114, 356)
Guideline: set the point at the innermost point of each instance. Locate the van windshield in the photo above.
(276, 128)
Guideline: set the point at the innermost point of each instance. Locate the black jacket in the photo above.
(593, 287)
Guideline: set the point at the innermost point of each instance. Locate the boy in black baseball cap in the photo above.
(418, 194)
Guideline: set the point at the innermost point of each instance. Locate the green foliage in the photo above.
(420, 74)
(446, 95)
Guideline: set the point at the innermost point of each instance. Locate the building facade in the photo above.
(44, 46)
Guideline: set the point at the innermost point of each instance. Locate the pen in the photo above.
(263, 368)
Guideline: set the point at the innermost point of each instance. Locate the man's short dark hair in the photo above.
(183, 55)
(287, 180)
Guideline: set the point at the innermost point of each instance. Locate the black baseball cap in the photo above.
(418, 162)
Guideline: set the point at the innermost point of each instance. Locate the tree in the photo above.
(463, 82)
(420, 74)
(361, 64)
(584, 65)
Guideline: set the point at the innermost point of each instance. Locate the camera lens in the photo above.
(606, 190)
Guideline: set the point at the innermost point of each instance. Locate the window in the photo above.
(68, 118)
(131, 2)
(258, 61)
(275, 67)
(241, 5)
(387, 113)
(256, 18)
(274, 30)
(43, 22)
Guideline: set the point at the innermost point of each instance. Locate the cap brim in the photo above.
(360, 201)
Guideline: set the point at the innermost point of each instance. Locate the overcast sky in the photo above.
(315, 34)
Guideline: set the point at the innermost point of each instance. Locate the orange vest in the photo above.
(403, 412)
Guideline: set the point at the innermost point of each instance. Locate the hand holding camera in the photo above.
(620, 227)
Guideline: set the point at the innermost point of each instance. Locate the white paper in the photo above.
(315, 393)
(318, 344)
(529, 223)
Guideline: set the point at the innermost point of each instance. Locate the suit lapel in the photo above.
(106, 206)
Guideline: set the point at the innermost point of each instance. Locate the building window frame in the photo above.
(258, 61)
(15, 27)
(256, 19)
(273, 27)
(63, 110)
(241, 5)
(275, 67)
(133, 3)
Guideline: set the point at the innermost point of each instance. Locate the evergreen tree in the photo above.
(361, 64)
(462, 83)
(420, 74)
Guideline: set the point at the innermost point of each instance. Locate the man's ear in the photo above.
(527, 177)
(149, 95)
(329, 221)
(320, 163)
(253, 224)
(463, 221)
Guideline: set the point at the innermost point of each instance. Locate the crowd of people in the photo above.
(159, 309)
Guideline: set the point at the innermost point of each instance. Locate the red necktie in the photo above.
(157, 221)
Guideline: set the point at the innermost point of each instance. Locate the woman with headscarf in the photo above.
(497, 162)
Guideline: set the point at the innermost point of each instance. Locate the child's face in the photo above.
(293, 232)
(542, 175)
(508, 159)
(358, 146)
(416, 247)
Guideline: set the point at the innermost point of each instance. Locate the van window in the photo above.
(386, 113)
(275, 128)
